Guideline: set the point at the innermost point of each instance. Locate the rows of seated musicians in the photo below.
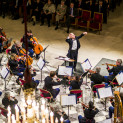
(38, 8)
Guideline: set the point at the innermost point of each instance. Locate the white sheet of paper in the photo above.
(86, 65)
(4, 72)
(40, 63)
(106, 121)
(105, 92)
(68, 100)
(119, 78)
(63, 70)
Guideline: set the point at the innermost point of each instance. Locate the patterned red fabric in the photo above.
(86, 15)
(44, 96)
(95, 25)
(8, 50)
(98, 17)
(99, 86)
(76, 91)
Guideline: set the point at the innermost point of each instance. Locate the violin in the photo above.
(110, 64)
(37, 47)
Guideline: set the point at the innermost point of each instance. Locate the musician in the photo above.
(114, 71)
(111, 108)
(71, 15)
(13, 64)
(9, 101)
(74, 46)
(16, 49)
(89, 113)
(95, 77)
(49, 83)
(76, 83)
(30, 44)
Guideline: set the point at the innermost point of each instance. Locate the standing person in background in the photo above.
(71, 15)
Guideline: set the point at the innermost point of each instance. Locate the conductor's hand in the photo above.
(85, 33)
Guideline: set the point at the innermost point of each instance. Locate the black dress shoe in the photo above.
(56, 28)
(48, 25)
(67, 31)
(41, 24)
(22, 21)
(33, 23)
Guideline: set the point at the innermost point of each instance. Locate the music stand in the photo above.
(41, 64)
(86, 65)
(65, 71)
(68, 100)
(104, 93)
(4, 73)
(65, 59)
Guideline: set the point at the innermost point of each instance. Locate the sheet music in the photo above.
(40, 63)
(4, 72)
(86, 65)
(68, 100)
(64, 70)
(119, 78)
(106, 121)
(105, 92)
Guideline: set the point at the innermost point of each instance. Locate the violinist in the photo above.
(89, 113)
(114, 71)
(9, 101)
(16, 49)
(49, 83)
(95, 77)
(30, 44)
(76, 83)
(13, 64)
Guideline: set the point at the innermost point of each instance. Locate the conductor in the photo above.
(74, 45)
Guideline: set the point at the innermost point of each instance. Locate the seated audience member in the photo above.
(60, 12)
(49, 83)
(48, 10)
(111, 108)
(89, 113)
(36, 11)
(71, 15)
(9, 101)
(114, 71)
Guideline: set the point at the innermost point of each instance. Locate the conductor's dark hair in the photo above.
(91, 105)
(52, 73)
(29, 31)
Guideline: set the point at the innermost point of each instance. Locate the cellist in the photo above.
(30, 45)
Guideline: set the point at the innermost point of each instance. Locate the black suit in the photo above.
(115, 71)
(49, 83)
(73, 54)
(69, 18)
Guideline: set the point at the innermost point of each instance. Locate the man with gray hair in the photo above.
(115, 70)
(96, 78)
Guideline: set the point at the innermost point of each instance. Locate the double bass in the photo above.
(37, 47)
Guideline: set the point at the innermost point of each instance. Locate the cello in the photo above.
(37, 47)
(23, 51)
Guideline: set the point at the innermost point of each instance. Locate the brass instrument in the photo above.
(118, 108)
